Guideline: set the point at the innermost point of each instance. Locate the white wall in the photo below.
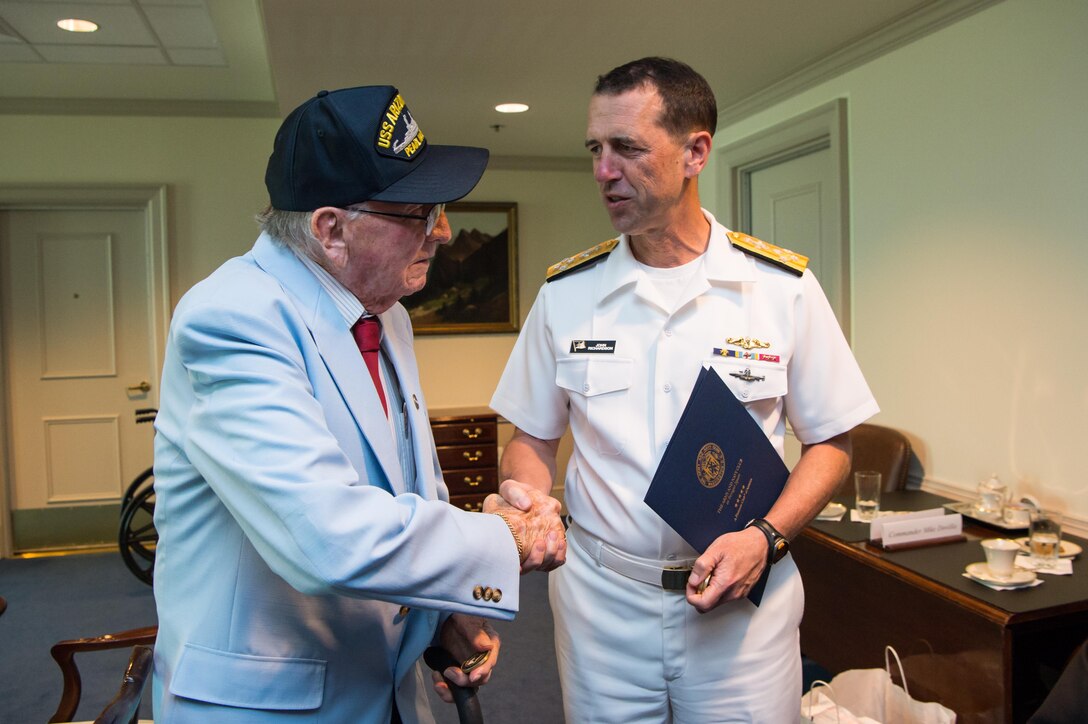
(969, 202)
(214, 169)
(559, 213)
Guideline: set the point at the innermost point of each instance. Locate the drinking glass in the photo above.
(1045, 539)
(867, 493)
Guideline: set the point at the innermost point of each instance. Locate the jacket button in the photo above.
(496, 595)
(489, 593)
(404, 610)
(478, 592)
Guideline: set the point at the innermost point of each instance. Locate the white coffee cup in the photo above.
(1000, 556)
(1018, 514)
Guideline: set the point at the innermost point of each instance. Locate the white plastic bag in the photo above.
(871, 693)
(818, 707)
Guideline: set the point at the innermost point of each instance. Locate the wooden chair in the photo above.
(882, 449)
(122, 709)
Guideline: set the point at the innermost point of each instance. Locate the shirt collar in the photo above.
(722, 263)
(349, 306)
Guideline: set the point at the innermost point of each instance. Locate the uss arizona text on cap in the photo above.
(359, 144)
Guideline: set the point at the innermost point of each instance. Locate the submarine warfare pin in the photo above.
(747, 376)
(747, 343)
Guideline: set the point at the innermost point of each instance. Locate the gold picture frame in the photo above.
(472, 285)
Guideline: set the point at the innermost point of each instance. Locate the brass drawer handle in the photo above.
(472, 434)
(474, 483)
(474, 507)
(473, 457)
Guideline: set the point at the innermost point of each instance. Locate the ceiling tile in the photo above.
(81, 3)
(37, 22)
(179, 27)
(12, 53)
(100, 54)
(196, 56)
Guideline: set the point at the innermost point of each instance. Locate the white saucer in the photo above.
(1068, 548)
(1019, 577)
(832, 511)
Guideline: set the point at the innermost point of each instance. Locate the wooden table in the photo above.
(991, 656)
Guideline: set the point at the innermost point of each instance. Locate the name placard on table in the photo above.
(917, 528)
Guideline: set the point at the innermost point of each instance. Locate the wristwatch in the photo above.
(777, 545)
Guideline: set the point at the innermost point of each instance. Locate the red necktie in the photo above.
(368, 335)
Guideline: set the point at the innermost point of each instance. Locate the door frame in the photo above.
(151, 199)
(821, 128)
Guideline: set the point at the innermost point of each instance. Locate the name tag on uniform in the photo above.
(593, 346)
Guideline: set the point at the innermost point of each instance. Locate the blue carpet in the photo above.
(57, 598)
(51, 599)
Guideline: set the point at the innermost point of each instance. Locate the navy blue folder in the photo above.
(719, 470)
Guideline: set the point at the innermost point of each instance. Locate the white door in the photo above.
(78, 331)
(795, 204)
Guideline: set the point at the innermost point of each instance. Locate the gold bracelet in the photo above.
(517, 538)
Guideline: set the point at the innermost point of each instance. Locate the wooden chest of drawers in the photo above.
(468, 452)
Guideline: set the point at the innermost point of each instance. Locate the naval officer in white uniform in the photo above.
(612, 348)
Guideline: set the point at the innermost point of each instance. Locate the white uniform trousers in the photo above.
(632, 652)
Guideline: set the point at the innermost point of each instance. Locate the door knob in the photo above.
(144, 387)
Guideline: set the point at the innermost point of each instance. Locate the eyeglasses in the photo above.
(431, 217)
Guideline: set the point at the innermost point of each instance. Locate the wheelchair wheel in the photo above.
(137, 537)
(147, 477)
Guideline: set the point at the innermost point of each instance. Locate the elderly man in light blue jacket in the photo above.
(307, 555)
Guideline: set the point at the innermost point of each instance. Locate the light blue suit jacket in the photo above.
(288, 539)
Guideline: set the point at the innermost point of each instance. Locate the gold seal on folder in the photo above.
(710, 465)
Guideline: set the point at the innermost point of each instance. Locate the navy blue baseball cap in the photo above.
(352, 145)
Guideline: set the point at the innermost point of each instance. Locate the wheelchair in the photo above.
(137, 537)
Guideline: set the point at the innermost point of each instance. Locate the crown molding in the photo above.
(896, 33)
(540, 163)
(137, 107)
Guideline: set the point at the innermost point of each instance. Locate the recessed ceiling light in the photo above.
(75, 25)
(511, 108)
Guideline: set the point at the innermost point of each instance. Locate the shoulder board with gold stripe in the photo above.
(783, 258)
(581, 260)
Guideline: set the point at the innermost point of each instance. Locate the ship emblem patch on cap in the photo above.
(398, 133)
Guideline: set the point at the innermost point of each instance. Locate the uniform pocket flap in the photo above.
(596, 376)
(751, 381)
(249, 682)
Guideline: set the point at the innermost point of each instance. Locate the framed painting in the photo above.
(472, 285)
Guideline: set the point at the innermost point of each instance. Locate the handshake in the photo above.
(533, 519)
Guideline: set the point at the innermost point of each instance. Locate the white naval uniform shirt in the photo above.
(622, 407)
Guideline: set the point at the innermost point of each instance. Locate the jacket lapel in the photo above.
(401, 354)
(338, 350)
